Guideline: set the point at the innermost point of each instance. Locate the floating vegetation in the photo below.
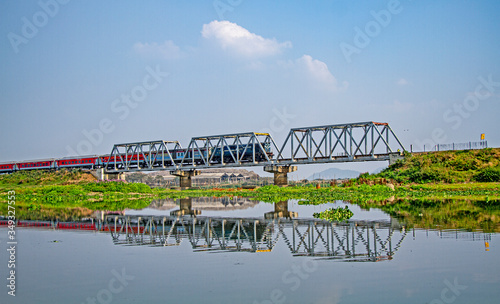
(335, 214)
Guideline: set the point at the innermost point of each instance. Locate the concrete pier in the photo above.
(101, 175)
(280, 173)
(185, 177)
(185, 208)
(393, 157)
(280, 211)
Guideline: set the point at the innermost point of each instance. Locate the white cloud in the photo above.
(167, 50)
(319, 73)
(234, 38)
(402, 82)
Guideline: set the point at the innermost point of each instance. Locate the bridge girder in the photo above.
(365, 141)
(155, 155)
(352, 142)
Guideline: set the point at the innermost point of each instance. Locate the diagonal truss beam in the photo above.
(341, 142)
(240, 149)
(148, 155)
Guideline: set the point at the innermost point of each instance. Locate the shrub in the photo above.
(489, 174)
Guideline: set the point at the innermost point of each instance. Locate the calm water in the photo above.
(240, 251)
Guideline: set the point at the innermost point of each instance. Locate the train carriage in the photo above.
(7, 167)
(245, 151)
(36, 164)
(210, 156)
(88, 162)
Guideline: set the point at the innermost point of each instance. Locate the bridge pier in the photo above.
(280, 211)
(394, 157)
(185, 208)
(280, 173)
(101, 175)
(185, 176)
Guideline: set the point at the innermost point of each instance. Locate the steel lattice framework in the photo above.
(152, 155)
(229, 150)
(366, 141)
(341, 241)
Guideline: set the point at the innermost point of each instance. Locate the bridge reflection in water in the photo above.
(346, 241)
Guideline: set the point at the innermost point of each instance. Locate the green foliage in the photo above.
(364, 175)
(445, 167)
(444, 213)
(121, 187)
(269, 188)
(488, 174)
(335, 214)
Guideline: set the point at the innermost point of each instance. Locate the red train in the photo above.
(215, 155)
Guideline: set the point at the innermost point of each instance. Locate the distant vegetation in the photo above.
(470, 214)
(446, 166)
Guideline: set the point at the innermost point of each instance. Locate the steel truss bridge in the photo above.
(354, 142)
(366, 241)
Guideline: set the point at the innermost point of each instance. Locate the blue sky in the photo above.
(429, 68)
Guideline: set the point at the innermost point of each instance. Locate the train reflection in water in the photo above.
(364, 241)
(350, 241)
(346, 241)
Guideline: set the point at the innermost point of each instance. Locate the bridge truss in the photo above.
(351, 241)
(248, 149)
(354, 142)
(152, 155)
(366, 141)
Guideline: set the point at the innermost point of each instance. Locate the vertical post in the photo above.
(366, 139)
(387, 137)
(373, 143)
(350, 142)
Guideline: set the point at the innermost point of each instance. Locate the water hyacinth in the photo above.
(335, 214)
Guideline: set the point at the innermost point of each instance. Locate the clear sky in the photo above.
(80, 76)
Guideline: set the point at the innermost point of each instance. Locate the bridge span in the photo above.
(340, 143)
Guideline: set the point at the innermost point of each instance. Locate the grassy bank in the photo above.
(445, 167)
(68, 195)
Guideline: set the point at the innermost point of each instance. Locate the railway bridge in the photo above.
(340, 143)
(367, 241)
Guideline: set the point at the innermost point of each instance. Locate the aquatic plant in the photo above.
(335, 214)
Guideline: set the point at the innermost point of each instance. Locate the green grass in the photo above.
(445, 167)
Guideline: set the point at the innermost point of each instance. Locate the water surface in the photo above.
(241, 251)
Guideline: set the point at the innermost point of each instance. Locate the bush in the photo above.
(490, 174)
(426, 176)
